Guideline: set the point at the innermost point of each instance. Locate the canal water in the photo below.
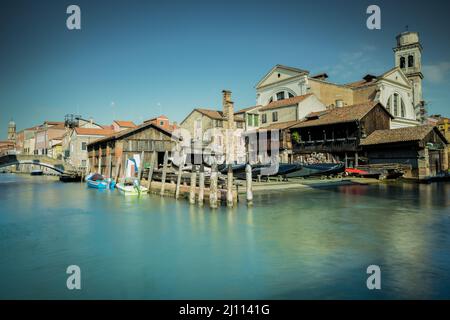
(305, 244)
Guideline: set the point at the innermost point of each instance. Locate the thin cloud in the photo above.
(437, 73)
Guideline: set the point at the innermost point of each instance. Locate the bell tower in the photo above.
(408, 57)
(12, 131)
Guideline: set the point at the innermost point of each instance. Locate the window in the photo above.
(264, 118)
(402, 108)
(388, 105)
(275, 116)
(280, 96)
(395, 104)
(161, 123)
(290, 95)
(271, 100)
(219, 123)
(83, 163)
(255, 120)
(402, 62)
(410, 61)
(84, 146)
(239, 124)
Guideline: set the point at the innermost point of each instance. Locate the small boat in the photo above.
(317, 169)
(69, 178)
(132, 188)
(99, 184)
(37, 172)
(97, 181)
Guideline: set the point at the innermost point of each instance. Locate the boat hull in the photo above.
(99, 184)
(131, 190)
(320, 169)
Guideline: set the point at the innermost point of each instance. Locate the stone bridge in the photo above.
(57, 165)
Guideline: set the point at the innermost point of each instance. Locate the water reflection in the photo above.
(291, 244)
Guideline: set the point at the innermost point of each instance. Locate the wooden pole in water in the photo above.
(230, 187)
(213, 187)
(180, 171)
(248, 176)
(193, 185)
(110, 167)
(118, 165)
(100, 163)
(201, 184)
(153, 163)
(141, 167)
(163, 179)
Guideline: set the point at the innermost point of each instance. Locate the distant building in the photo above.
(208, 131)
(424, 148)
(163, 122)
(12, 131)
(79, 138)
(120, 125)
(442, 123)
(46, 133)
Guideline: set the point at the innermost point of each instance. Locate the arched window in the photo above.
(290, 95)
(271, 100)
(280, 96)
(410, 61)
(395, 97)
(402, 108)
(388, 104)
(402, 62)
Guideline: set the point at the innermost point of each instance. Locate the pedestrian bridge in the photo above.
(16, 159)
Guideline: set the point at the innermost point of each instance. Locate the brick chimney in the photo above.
(228, 108)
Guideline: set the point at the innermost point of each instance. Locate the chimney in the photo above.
(228, 108)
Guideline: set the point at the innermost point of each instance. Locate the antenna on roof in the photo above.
(407, 28)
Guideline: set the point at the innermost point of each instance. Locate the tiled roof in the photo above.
(280, 125)
(94, 132)
(247, 109)
(125, 124)
(407, 134)
(285, 102)
(337, 115)
(118, 135)
(216, 115)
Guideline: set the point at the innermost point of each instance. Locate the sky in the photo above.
(133, 60)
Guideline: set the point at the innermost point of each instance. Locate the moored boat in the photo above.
(131, 188)
(317, 169)
(37, 172)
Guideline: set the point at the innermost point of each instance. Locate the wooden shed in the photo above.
(424, 148)
(109, 155)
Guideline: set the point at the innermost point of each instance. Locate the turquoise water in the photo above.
(290, 245)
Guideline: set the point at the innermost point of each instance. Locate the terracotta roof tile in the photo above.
(94, 132)
(285, 102)
(125, 124)
(280, 125)
(344, 114)
(407, 134)
(216, 115)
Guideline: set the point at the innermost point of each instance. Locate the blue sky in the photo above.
(133, 60)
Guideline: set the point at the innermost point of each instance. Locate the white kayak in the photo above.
(131, 189)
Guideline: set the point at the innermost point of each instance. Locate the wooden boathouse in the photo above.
(337, 133)
(108, 156)
(424, 148)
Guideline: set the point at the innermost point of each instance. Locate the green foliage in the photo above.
(296, 137)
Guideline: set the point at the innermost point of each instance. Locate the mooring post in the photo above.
(141, 167)
(150, 170)
(213, 187)
(248, 176)
(201, 185)
(230, 187)
(193, 185)
(164, 172)
(180, 172)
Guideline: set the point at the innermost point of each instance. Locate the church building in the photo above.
(399, 90)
